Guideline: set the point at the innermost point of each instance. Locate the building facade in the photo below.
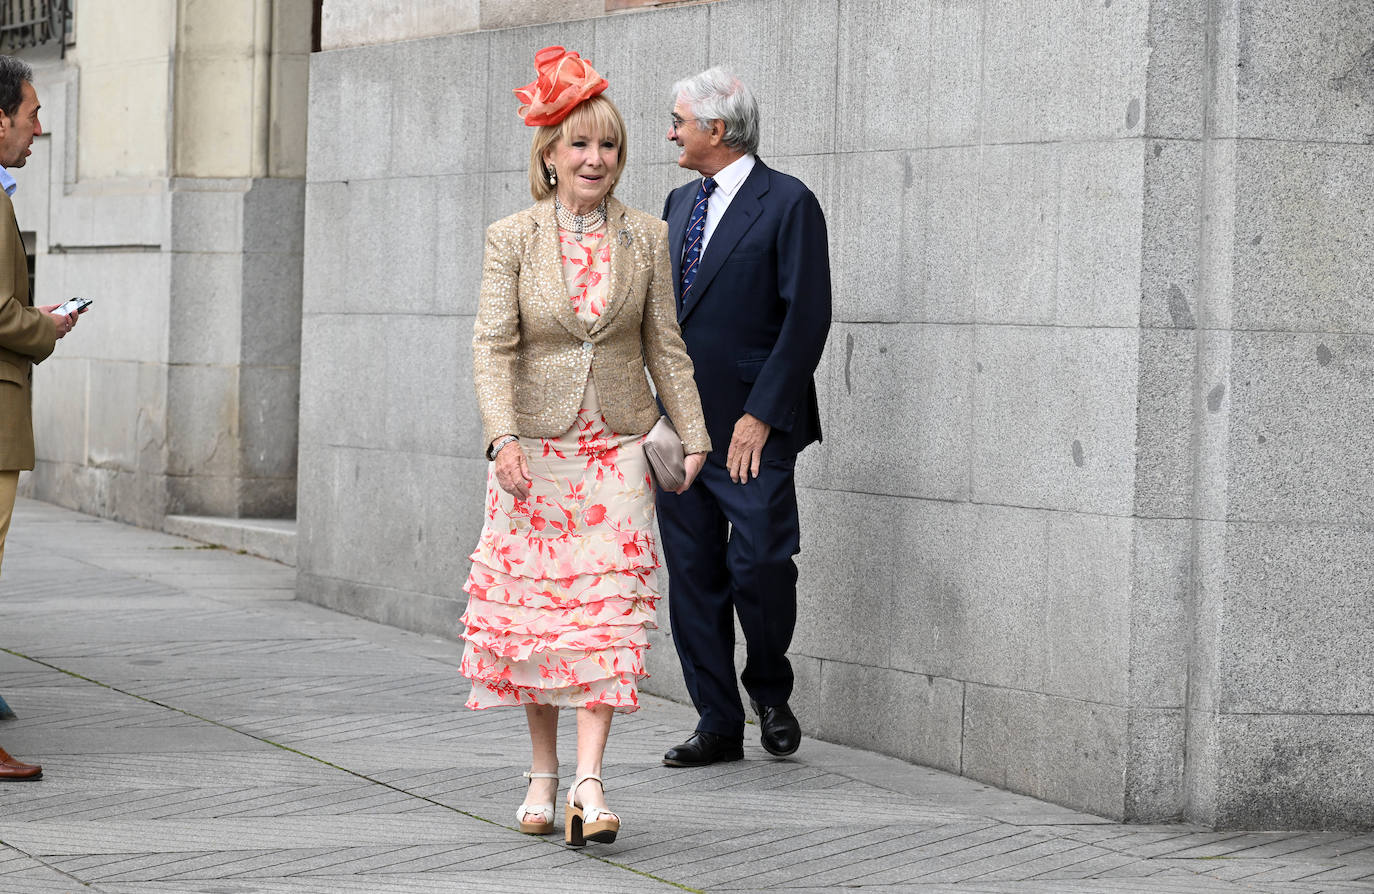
(1091, 519)
(169, 187)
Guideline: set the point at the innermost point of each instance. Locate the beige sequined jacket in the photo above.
(532, 355)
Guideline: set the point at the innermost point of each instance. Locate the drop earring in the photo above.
(553, 177)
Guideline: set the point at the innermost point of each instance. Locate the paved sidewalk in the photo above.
(200, 731)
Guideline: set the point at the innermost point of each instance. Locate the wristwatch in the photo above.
(499, 444)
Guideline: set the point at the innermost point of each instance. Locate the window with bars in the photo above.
(33, 23)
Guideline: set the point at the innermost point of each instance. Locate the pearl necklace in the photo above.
(579, 223)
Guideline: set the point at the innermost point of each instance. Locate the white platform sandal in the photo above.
(583, 824)
(543, 812)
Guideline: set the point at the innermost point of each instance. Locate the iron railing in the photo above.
(33, 23)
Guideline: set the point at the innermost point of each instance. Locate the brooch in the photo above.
(625, 237)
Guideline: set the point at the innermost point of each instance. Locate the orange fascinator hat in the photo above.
(565, 79)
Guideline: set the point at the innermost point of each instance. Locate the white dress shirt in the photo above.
(728, 181)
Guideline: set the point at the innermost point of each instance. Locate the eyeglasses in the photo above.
(678, 122)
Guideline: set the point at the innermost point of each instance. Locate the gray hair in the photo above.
(717, 93)
(13, 74)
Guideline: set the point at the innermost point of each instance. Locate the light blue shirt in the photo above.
(7, 181)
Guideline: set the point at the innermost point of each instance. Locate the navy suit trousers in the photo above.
(730, 547)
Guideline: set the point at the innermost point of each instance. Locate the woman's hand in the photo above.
(513, 472)
(693, 463)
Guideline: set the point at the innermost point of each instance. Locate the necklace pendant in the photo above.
(577, 236)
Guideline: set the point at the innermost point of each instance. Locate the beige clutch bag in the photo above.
(667, 459)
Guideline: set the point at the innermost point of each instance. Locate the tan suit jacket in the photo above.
(532, 355)
(27, 336)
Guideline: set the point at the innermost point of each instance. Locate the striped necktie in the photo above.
(696, 228)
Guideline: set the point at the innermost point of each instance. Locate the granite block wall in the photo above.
(179, 395)
(1091, 515)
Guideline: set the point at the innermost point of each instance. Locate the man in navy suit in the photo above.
(749, 252)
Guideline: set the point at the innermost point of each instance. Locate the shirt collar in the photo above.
(729, 178)
(7, 181)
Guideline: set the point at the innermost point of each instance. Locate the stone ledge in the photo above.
(269, 538)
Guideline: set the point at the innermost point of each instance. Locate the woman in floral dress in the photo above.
(576, 300)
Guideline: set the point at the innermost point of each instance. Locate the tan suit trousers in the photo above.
(9, 487)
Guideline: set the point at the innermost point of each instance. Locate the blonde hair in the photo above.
(597, 117)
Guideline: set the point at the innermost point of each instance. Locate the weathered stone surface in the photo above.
(1155, 758)
(426, 553)
(205, 317)
(922, 714)
(1302, 236)
(1294, 771)
(270, 328)
(1063, 70)
(358, 22)
(1097, 276)
(430, 137)
(1029, 742)
(338, 353)
(1166, 412)
(1299, 636)
(203, 404)
(888, 43)
(846, 579)
(1299, 405)
(1086, 604)
(345, 87)
(760, 42)
(957, 41)
(274, 214)
(901, 395)
(1017, 208)
(207, 215)
(268, 413)
(1170, 231)
(1176, 72)
(60, 387)
(1303, 71)
(1054, 417)
(1162, 581)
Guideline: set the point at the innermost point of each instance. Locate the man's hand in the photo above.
(65, 322)
(746, 448)
(513, 471)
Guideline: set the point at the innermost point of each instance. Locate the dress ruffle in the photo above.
(571, 641)
(563, 585)
(535, 555)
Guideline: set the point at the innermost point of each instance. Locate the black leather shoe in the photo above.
(703, 749)
(779, 731)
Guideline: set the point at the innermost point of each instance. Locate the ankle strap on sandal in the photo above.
(529, 774)
(590, 776)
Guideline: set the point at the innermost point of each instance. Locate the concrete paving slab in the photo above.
(202, 734)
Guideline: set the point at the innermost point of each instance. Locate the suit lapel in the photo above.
(550, 287)
(622, 264)
(677, 232)
(744, 209)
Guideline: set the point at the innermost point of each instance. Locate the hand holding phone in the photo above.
(74, 305)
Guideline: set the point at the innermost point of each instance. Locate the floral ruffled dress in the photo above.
(563, 584)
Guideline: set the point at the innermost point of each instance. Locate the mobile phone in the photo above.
(74, 305)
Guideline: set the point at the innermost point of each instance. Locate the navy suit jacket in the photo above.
(759, 312)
